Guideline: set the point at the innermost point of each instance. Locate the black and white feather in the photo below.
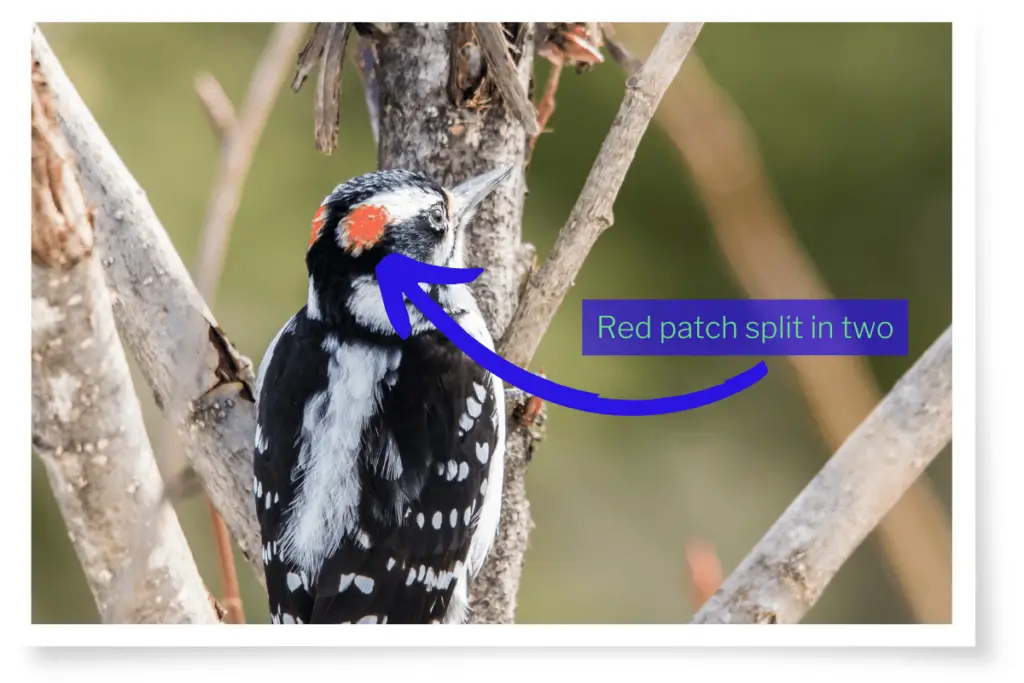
(378, 461)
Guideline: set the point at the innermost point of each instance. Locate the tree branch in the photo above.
(592, 213)
(785, 574)
(87, 425)
(162, 319)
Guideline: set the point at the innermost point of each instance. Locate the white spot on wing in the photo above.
(453, 518)
(473, 407)
(364, 584)
(260, 440)
(483, 451)
(367, 306)
(452, 468)
(293, 581)
(313, 302)
(463, 470)
(345, 582)
(458, 608)
(436, 520)
(368, 619)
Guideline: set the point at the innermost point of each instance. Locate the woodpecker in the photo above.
(378, 461)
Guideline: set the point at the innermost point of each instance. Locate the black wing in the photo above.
(294, 369)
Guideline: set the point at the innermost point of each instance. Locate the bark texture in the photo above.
(87, 425)
(162, 319)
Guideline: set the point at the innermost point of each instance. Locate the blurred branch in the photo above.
(216, 104)
(239, 138)
(87, 425)
(162, 320)
(238, 145)
(592, 213)
(785, 574)
(770, 263)
(705, 571)
(619, 52)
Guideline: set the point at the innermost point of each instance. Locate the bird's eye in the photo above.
(437, 218)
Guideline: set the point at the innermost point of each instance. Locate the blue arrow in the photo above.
(400, 277)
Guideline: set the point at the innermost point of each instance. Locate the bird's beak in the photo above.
(466, 196)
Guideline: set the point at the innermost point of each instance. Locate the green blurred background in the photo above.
(854, 123)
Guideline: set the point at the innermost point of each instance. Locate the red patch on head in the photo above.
(318, 222)
(364, 225)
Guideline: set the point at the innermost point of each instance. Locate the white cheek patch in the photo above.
(367, 306)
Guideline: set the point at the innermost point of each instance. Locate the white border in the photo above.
(590, 636)
(961, 633)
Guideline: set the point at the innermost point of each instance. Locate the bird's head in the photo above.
(395, 211)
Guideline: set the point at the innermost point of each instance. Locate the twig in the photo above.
(592, 214)
(216, 103)
(87, 425)
(158, 311)
(327, 106)
(789, 568)
(309, 57)
(504, 74)
(546, 106)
